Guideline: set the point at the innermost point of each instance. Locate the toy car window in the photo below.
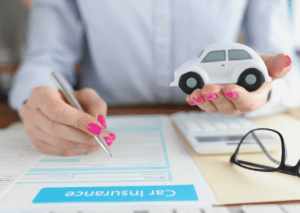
(214, 56)
(238, 55)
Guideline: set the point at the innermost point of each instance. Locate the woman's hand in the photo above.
(58, 128)
(235, 100)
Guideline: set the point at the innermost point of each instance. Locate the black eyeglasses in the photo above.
(272, 144)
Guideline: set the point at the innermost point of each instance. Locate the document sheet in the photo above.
(17, 156)
(149, 168)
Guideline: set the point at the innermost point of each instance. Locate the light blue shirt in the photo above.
(130, 49)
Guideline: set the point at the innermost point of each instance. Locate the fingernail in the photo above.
(112, 136)
(212, 96)
(289, 61)
(200, 100)
(102, 121)
(108, 141)
(231, 95)
(94, 128)
(191, 103)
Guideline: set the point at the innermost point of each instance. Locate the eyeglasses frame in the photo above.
(284, 168)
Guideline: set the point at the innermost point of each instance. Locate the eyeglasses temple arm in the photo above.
(264, 149)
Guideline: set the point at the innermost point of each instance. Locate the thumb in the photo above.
(278, 65)
(92, 103)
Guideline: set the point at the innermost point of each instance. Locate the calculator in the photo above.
(215, 133)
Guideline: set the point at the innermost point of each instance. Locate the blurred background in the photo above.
(13, 24)
(13, 28)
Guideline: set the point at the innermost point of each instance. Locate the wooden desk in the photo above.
(9, 116)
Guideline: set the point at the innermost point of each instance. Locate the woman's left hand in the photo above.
(235, 100)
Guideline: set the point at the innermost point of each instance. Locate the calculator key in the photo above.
(248, 124)
(209, 128)
(233, 125)
(192, 126)
(206, 126)
(221, 126)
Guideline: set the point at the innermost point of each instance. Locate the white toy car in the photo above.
(222, 63)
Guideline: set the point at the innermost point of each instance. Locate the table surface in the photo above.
(9, 116)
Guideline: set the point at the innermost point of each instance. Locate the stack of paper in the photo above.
(149, 168)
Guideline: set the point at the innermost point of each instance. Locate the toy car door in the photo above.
(215, 64)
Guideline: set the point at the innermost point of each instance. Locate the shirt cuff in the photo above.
(25, 82)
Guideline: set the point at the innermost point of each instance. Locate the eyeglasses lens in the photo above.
(260, 147)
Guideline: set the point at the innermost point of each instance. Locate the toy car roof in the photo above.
(220, 46)
(228, 46)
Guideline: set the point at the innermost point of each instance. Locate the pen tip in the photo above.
(110, 155)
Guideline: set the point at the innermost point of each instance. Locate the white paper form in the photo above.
(14, 159)
(139, 154)
(148, 168)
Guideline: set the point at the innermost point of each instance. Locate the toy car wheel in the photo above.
(251, 79)
(190, 81)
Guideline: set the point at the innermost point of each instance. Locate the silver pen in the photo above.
(72, 100)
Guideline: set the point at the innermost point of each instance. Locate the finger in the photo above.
(278, 65)
(196, 97)
(79, 151)
(58, 142)
(47, 148)
(57, 110)
(35, 133)
(61, 131)
(189, 100)
(59, 135)
(93, 104)
(109, 137)
(246, 101)
(203, 103)
(217, 97)
(35, 97)
(43, 94)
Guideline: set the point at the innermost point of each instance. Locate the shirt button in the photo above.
(163, 65)
(163, 22)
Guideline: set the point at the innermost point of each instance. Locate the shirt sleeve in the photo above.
(267, 29)
(54, 44)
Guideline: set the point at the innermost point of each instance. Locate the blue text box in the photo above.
(117, 194)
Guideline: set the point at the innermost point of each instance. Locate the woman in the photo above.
(129, 51)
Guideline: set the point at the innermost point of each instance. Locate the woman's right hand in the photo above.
(57, 128)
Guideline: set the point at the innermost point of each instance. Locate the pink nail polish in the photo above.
(200, 100)
(289, 61)
(102, 121)
(112, 136)
(108, 141)
(212, 96)
(231, 95)
(94, 128)
(191, 103)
